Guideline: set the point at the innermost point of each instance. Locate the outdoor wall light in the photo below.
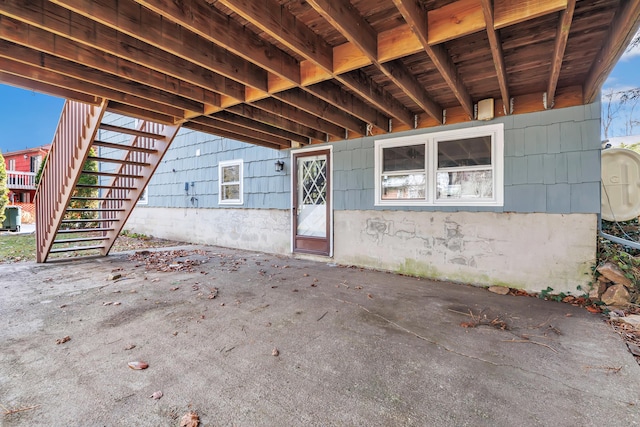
(279, 166)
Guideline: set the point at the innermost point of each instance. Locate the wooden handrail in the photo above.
(76, 130)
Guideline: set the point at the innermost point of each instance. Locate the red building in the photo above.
(22, 167)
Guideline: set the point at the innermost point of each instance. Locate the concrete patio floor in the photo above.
(356, 348)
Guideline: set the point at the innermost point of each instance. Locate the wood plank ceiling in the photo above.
(283, 73)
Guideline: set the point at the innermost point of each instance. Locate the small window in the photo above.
(230, 182)
(143, 199)
(464, 169)
(459, 167)
(404, 173)
(12, 164)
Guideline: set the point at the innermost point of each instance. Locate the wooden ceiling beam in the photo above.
(416, 17)
(624, 26)
(60, 92)
(300, 116)
(242, 130)
(275, 20)
(270, 16)
(455, 20)
(145, 25)
(43, 41)
(496, 52)
(131, 111)
(77, 28)
(402, 77)
(45, 61)
(238, 120)
(348, 21)
(305, 101)
(214, 26)
(55, 79)
(510, 12)
(562, 35)
(231, 135)
(267, 117)
(335, 95)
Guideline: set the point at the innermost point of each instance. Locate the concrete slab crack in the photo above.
(469, 356)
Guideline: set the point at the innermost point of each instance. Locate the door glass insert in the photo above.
(312, 196)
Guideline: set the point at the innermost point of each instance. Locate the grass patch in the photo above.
(17, 247)
(22, 247)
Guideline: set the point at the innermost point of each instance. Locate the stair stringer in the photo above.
(161, 145)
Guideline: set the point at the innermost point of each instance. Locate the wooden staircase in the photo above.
(90, 186)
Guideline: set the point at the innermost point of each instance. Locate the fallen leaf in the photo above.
(468, 324)
(369, 296)
(157, 395)
(634, 349)
(130, 347)
(138, 365)
(107, 303)
(593, 309)
(63, 340)
(190, 419)
(117, 303)
(175, 288)
(275, 352)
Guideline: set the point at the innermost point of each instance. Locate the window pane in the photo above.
(231, 173)
(396, 187)
(231, 192)
(406, 158)
(465, 185)
(465, 152)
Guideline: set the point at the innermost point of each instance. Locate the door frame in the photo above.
(310, 151)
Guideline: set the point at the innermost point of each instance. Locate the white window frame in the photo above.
(430, 141)
(12, 165)
(144, 197)
(221, 166)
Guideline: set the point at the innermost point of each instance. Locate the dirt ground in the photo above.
(250, 339)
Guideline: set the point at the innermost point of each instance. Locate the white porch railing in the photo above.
(17, 180)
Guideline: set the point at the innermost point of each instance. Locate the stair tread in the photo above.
(84, 230)
(104, 186)
(121, 161)
(76, 248)
(72, 221)
(94, 210)
(129, 131)
(124, 147)
(119, 175)
(105, 199)
(80, 239)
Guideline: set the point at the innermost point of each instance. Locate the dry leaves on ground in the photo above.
(190, 419)
(165, 260)
(63, 340)
(138, 365)
(157, 395)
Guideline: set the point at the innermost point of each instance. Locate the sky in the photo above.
(29, 119)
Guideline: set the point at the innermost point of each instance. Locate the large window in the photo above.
(230, 182)
(459, 167)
